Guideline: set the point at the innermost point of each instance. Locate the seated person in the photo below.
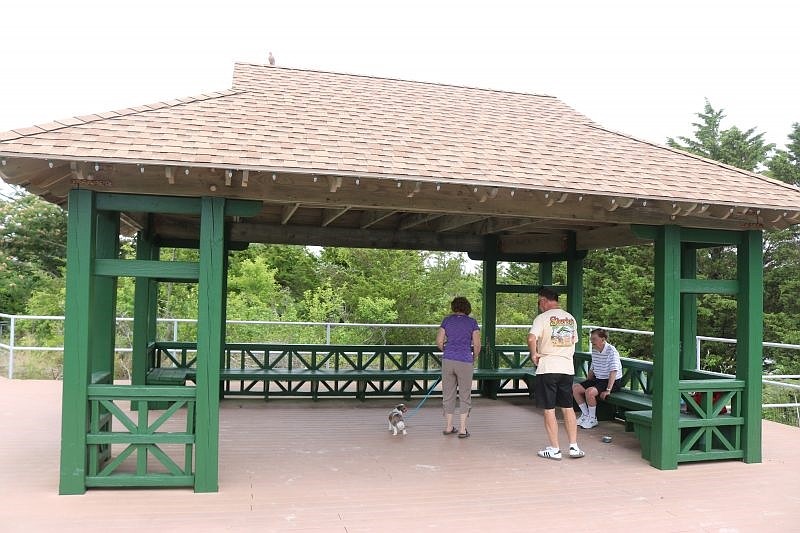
(605, 377)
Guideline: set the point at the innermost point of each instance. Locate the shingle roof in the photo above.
(286, 119)
(306, 122)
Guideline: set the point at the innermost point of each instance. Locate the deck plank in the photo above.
(331, 465)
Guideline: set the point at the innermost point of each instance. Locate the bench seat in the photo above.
(630, 400)
(168, 376)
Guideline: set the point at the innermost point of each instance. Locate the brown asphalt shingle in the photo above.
(306, 121)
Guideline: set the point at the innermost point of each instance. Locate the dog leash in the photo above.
(414, 411)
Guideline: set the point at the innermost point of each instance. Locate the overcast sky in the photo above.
(640, 67)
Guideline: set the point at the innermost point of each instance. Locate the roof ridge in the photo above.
(403, 80)
(748, 173)
(94, 117)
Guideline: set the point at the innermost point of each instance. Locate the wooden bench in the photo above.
(168, 375)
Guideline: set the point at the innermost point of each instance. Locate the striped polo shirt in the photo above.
(605, 361)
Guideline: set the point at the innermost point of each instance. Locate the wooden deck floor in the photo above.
(331, 466)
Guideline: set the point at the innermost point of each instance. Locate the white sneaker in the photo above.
(576, 453)
(550, 453)
(589, 422)
(581, 419)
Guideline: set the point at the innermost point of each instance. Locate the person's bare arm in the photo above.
(476, 344)
(612, 377)
(440, 338)
(532, 348)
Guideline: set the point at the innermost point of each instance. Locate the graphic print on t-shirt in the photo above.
(562, 331)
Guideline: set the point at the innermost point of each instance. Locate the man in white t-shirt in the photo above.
(551, 341)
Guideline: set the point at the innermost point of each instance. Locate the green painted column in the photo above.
(489, 307)
(145, 308)
(575, 287)
(688, 310)
(546, 273)
(104, 304)
(749, 338)
(665, 439)
(78, 330)
(489, 314)
(210, 342)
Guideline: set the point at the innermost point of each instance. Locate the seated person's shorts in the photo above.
(601, 384)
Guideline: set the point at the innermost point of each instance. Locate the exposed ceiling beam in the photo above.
(329, 215)
(288, 211)
(370, 218)
(409, 221)
(452, 222)
(369, 238)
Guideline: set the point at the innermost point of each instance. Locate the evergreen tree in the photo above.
(742, 149)
(785, 165)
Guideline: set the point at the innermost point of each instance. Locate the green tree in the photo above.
(785, 164)
(33, 232)
(296, 267)
(32, 248)
(743, 149)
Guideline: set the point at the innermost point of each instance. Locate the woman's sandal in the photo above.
(450, 432)
(463, 435)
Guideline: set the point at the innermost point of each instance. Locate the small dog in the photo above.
(396, 422)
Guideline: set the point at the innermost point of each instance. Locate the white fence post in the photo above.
(11, 350)
(697, 352)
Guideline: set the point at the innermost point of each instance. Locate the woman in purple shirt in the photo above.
(459, 339)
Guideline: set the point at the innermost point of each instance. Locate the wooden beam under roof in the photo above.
(451, 222)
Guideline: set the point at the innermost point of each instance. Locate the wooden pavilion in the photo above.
(315, 158)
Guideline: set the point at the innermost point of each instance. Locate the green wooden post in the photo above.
(665, 439)
(210, 342)
(546, 273)
(489, 314)
(104, 304)
(575, 287)
(688, 310)
(145, 306)
(78, 330)
(749, 338)
(224, 304)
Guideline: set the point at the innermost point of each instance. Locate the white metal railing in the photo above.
(12, 347)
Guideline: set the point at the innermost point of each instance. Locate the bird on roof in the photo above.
(271, 59)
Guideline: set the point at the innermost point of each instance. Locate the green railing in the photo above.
(251, 369)
(143, 439)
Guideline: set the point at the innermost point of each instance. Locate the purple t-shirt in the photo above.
(458, 331)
